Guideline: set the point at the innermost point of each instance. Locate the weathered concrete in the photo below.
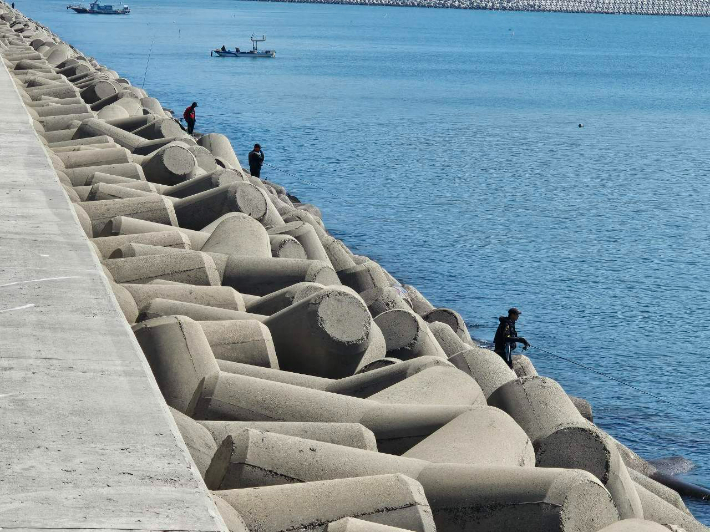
(481, 436)
(111, 456)
(181, 360)
(393, 500)
(326, 334)
(241, 341)
(396, 427)
(563, 438)
(461, 496)
(407, 335)
(213, 296)
(347, 434)
(488, 368)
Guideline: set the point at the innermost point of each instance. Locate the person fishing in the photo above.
(256, 160)
(507, 337)
(189, 116)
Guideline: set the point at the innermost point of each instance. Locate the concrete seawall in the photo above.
(172, 324)
(86, 440)
(690, 8)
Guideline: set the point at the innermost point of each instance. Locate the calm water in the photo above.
(445, 145)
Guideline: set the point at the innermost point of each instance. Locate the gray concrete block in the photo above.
(170, 165)
(461, 496)
(407, 335)
(95, 127)
(482, 436)
(347, 434)
(396, 427)
(563, 438)
(105, 191)
(171, 239)
(98, 90)
(247, 342)
(162, 128)
(583, 407)
(165, 307)
(379, 363)
(634, 525)
(126, 302)
(439, 385)
(181, 360)
(219, 146)
(659, 511)
(352, 524)
(487, 367)
(286, 247)
(363, 277)
(239, 234)
(420, 304)
(261, 276)
(213, 296)
(152, 209)
(337, 252)
(382, 299)
(377, 350)
(447, 338)
(304, 216)
(275, 375)
(306, 236)
(123, 225)
(523, 366)
(451, 318)
(231, 517)
(212, 459)
(324, 335)
(393, 500)
(199, 210)
(280, 299)
(198, 269)
(84, 219)
(84, 175)
(659, 490)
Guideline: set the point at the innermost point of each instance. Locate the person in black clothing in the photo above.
(506, 336)
(189, 116)
(256, 159)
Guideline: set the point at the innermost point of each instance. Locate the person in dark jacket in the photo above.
(189, 116)
(256, 159)
(507, 337)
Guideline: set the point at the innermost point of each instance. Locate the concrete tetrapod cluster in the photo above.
(313, 390)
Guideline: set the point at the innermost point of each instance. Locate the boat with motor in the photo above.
(254, 52)
(95, 8)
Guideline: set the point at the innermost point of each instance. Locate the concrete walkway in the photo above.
(86, 440)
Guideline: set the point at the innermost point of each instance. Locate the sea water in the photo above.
(446, 145)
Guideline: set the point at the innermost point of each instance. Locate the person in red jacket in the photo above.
(189, 116)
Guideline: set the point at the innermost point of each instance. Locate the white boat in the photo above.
(97, 9)
(254, 52)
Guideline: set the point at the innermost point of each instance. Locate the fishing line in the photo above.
(545, 351)
(606, 376)
(150, 53)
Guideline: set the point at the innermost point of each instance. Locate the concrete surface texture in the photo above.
(310, 389)
(87, 441)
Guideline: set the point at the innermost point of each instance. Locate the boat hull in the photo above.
(220, 53)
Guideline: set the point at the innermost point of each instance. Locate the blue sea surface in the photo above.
(445, 145)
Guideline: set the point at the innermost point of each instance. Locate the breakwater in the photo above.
(689, 8)
(261, 326)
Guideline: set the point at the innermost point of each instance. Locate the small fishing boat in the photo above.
(254, 52)
(98, 9)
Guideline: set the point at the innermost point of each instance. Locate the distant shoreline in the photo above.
(683, 8)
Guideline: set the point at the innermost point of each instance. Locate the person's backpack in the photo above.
(187, 115)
